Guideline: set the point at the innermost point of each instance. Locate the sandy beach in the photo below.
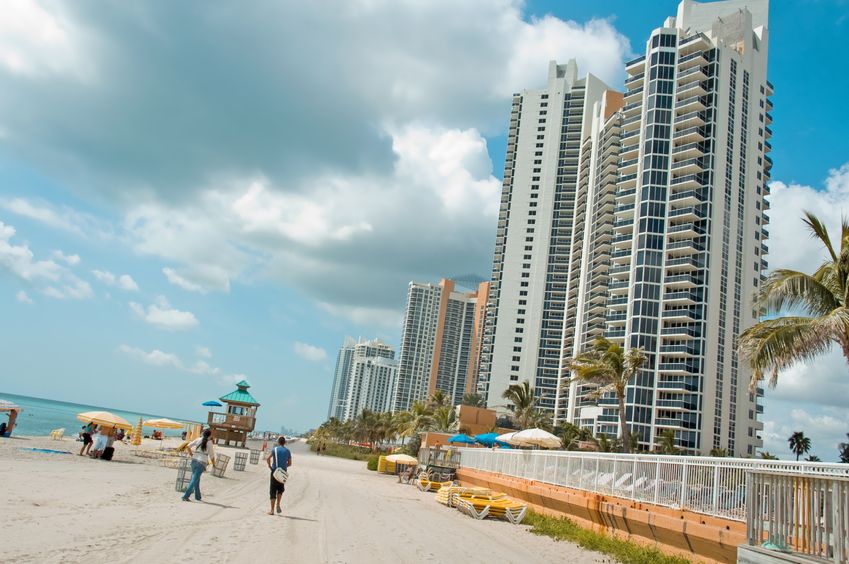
(66, 508)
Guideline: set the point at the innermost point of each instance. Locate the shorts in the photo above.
(87, 439)
(275, 487)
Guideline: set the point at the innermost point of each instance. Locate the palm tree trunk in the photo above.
(623, 426)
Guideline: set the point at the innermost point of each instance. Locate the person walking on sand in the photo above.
(279, 457)
(202, 451)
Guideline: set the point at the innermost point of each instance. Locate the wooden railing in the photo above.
(230, 421)
(803, 514)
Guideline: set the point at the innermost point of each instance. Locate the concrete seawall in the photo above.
(685, 533)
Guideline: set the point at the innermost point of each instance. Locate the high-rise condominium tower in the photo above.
(364, 378)
(534, 243)
(683, 253)
(689, 251)
(440, 342)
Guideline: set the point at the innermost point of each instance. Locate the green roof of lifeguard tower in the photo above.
(241, 395)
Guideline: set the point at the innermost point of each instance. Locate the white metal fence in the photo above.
(713, 486)
(807, 514)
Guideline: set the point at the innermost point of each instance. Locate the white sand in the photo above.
(64, 508)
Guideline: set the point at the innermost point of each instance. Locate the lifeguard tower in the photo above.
(238, 420)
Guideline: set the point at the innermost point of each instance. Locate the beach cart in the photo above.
(240, 461)
(255, 456)
(184, 474)
(220, 466)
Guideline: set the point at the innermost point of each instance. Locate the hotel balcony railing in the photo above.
(706, 485)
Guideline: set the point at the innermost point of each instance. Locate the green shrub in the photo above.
(561, 528)
(350, 452)
(371, 463)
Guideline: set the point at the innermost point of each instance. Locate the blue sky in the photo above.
(267, 181)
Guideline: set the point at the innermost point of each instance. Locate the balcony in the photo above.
(634, 96)
(684, 332)
(674, 404)
(677, 350)
(690, 119)
(696, 59)
(675, 385)
(681, 281)
(623, 208)
(635, 80)
(680, 298)
(685, 247)
(688, 213)
(231, 422)
(682, 315)
(690, 135)
(684, 263)
(691, 89)
(687, 151)
(688, 181)
(691, 74)
(688, 166)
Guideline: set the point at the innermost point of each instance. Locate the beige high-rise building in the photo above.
(440, 342)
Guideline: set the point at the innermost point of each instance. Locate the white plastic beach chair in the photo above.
(57, 434)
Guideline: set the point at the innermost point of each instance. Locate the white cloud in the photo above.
(789, 235)
(74, 289)
(155, 357)
(22, 297)
(71, 260)
(203, 352)
(37, 41)
(124, 281)
(825, 427)
(384, 318)
(64, 219)
(309, 352)
(161, 315)
(199, 278)
(160, 358)
(20, 260)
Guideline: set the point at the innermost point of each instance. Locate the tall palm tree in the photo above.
(667, 442)
(818, 303)
(813, 458)
(766, 455)
(474, 400)
(610, 367)
(799, 444)
(843, 449)
(439, 399)
(420, 419)
(523, 402)
(443, 419)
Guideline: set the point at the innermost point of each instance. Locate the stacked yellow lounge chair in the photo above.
(425, 484)
(482, 502)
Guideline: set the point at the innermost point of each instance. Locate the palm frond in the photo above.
(775, 344)
(789, 289)
(819, 231)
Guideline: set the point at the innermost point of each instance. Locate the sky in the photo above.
(191, 197)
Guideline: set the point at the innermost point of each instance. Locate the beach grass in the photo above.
(350, 452)
(562, 528)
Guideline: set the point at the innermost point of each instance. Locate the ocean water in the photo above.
(40, 416)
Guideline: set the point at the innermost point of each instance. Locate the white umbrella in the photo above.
(537, 438)
(507, 438)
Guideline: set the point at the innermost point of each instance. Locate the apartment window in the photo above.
(524, 284)
(537, 170)
(517, 349)
(523, 302)
(520, 320)
(521, 312)
(523, 293)
(517, 358)
(534, 204)
(539, 145)
(538, 162)
(526, 275)
(540, 137)
(515, 368)
(535, 179)
(526, 265)
(534, 195)
(517, 339)
(538, 154)
(527, 257)
(529, 248)
(529, 239)
(519, 330)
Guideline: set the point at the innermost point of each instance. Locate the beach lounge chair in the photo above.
(500, 508)
(57, 434)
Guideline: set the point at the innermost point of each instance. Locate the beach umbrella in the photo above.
(6, 405)
(506, 438)
(490, 439)
(536, 437)
(463, 439)
(163, 424)
(104, 419)
(137, 433)
(211, 403)
(402, 459)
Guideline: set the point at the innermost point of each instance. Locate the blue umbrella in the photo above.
(211, 403)
(461, 438)
(489, 439)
